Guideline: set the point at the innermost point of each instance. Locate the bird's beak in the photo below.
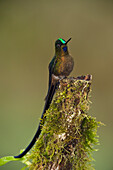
(67, 41)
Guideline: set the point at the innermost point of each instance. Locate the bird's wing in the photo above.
(51, 70)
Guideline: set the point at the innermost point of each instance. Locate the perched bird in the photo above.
(60, 66)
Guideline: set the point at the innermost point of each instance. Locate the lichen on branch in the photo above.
(69, 133)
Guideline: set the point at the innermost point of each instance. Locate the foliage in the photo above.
(7, 159)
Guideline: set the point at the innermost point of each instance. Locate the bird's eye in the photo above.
(58, 45)
(64, 49)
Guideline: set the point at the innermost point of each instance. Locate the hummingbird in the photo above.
(60, 67)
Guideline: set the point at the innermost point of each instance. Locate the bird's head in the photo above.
(61, 47)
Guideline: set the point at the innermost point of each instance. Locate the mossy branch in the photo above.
(69, 134)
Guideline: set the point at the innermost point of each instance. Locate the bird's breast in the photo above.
(64, 66)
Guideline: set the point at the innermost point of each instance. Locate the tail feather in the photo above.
(47, 104)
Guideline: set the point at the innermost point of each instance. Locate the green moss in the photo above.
(69, 133)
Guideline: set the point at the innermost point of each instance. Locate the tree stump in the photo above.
(69, 133)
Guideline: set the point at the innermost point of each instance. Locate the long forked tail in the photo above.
(47, 104)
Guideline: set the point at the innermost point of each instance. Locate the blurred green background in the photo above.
(28, 30)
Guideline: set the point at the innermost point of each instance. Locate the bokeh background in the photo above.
(28, 30)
